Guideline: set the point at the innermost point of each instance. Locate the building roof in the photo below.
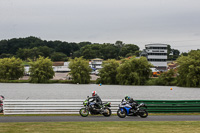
(60, 63)
(97, 59)
(157, 44)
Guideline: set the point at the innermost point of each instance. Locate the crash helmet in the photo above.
(94, 93)
(2, 97)
(127, 98)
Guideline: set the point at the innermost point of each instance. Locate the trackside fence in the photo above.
(72, 106)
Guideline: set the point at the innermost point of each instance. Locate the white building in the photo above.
(61, 67)
(157, 55)
(96, 63)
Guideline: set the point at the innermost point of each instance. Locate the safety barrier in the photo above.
(73, 106)
(69, 106)
(172, 106)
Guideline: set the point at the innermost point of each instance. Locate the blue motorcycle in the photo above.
(125, 109)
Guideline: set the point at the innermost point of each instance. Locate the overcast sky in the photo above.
(140, 22)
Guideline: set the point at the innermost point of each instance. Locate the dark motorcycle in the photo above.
(125, 109)
(94, 109)
(1, 103)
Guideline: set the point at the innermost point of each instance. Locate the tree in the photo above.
(65, 48)
(134, 71)
(41, 70)
(166, 78)
(119, 44)
(109, 51)
(29, 53)
(59, 56)
(4, 46)
(91, 51)
(6, 55)
(24, 54)
(31, 47)
(46, 51)
(169, 50)
(82, 44)
(35, 53)
(76, 54)
(80, 70)
(175, 54)
(184, 54)
(11, 68)
(128, 49)
(87, 52)
(189, 69)
(108, 72)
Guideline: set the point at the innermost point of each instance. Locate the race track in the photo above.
(97, 118)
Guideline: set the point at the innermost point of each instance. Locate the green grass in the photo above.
(49, 82)
(14, 81)
(102, 127)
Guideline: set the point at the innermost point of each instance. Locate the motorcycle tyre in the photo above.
(107, 115)
(82, 114)
(143, 115)
(119, 110)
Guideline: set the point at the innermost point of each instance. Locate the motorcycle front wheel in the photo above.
(143, 113)
(121, 113)
(108, 112)
(84, 112)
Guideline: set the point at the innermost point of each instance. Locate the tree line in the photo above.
(136, 71)
(130, 71)
(40, 70)
(33, 47)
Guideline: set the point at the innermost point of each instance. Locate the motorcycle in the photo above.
(125, 109)
(94, 109)
(1, 103)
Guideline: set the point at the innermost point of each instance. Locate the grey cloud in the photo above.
(132, 21)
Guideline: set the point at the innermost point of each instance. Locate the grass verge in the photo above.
(49, 82)
(101, 127)
(14, 81)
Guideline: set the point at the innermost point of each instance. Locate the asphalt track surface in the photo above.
(97, 118)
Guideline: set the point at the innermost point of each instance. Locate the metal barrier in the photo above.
(73, 106)
(172, 106)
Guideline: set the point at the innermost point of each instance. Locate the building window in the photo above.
(158, 60)
(157, 53)
(156, 47)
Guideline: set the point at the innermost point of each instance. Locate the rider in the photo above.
(127, 98)
(131, 102)
(1, 98)
(96, 98)
(1, 102)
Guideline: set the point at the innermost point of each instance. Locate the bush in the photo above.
(108, 72)
(41, 70)
(189, 69)
(135, 71)
(11, 68)
(80, 70)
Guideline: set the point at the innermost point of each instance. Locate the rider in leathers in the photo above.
(131, 102)
(96, 99)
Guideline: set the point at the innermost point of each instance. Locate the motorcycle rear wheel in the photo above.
(84, 112)
(121, 114)
(143, 113)
(108, 112)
